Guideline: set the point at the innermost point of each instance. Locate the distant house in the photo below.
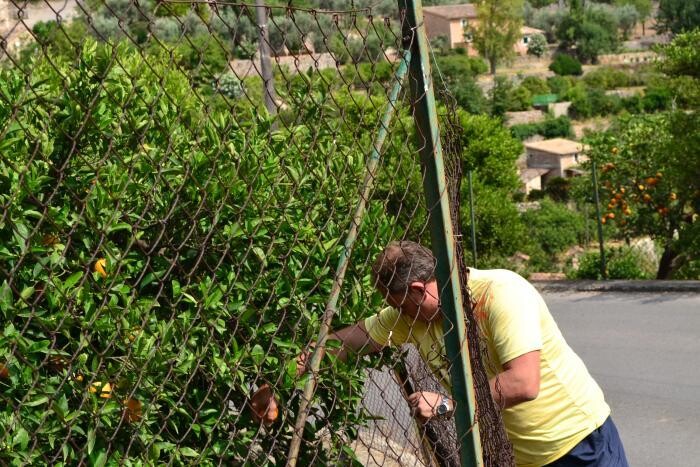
(450, 21)
(551, 158)
(526, 33)
(455, 21)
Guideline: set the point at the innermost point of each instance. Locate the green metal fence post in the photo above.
(601, 241)
(472, 216)
(443, 241)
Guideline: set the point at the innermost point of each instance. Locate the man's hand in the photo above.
(424, 404)
(264, 405)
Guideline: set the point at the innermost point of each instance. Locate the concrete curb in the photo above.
(618, 286)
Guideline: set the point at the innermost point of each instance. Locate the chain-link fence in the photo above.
(189, 192)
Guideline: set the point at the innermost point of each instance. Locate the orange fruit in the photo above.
(622, 190)
(603, 220)
(673, 196)
(646, 197)
(641, 187)
(614, 150)
(651, 181)
(101, 267)
(4, 371)
(105, 389)
(79, 378)
(659, 174)
(611, 215)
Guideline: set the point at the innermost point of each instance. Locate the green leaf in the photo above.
(119, 226)
(257, 354)
(189, 452)
(39, 401)
(26, 293)
(5, 297)
(21, 438)
(72, 280)
(90, 440)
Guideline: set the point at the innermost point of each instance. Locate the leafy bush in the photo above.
(454, 66)
(535, 85)
(591, 102)
(621, 263)
(558, 189)
(537, 45)
(657, 98)
(549, 128)
(469, 95)
(566, 65)
(203, 281)
(519, 99)
(553, 226)
(560, 85)
(607, 78)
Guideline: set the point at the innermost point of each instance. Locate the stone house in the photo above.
(551, 158)
(455, 21)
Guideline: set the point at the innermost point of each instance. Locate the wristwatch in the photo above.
(444, 407)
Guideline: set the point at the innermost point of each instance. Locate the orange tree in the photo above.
(649, 167)
(158, 261)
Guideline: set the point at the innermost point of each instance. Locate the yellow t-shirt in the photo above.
(514, 320)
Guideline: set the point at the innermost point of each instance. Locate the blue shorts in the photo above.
(602, 448)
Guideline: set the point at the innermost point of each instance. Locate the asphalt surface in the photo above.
(644, 351)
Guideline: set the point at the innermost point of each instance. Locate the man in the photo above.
(553, 410)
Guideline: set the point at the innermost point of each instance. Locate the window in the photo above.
(526, 39)
(465, 23)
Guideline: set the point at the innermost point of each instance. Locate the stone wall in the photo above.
(292, 63)
(631, 58)
(558, 109)
(527, 116)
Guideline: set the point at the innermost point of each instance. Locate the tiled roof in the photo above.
(529, 30)
(557, 146)
(464, 10)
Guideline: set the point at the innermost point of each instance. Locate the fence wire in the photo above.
(177, 181)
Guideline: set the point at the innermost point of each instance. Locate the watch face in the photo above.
(442, 409)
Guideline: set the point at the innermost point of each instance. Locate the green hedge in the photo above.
(550, 128)
(217, 240)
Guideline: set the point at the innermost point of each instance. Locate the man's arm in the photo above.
(354, 339)
(519, 382)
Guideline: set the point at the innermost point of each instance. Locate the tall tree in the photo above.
(677, 16)
(498, 29)
(649, 166)
(643, 7)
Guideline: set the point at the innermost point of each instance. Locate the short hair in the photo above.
(402, 263)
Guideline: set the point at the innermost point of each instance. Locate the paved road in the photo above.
(644, 350)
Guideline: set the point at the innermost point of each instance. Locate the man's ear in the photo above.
(418, 288)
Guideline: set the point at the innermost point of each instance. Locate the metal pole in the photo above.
(472, 215)
(601, 242)
(266, 69)
(443, 241)
(368, 183)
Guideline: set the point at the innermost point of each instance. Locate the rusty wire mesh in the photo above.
(171, 219)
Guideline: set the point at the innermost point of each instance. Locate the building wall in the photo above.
(542, 160)
(436, 26)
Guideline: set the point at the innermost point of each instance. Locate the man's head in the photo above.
(404, 273)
